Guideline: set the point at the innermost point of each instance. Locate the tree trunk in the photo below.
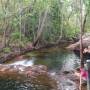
(61, 20)
(39, 33)
(84, 22)
(81, 33)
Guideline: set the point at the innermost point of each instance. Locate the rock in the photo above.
(86, 47)
(74, 46)
(66, 72)
(86, 43)
(37, 74)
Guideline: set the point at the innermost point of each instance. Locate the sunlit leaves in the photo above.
(29, 12)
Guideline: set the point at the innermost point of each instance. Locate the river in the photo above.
(57, 59)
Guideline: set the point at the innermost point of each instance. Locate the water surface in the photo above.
(56, 59)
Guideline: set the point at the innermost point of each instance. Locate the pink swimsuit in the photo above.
(84, 73)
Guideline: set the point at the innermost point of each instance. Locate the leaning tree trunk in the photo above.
(84, 22)
(61, 26)
(81, 45)
(81, 33)
(39, 33)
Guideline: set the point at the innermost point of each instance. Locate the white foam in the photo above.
(23, 62)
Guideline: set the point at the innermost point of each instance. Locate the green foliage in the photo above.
(7, 50)
(15, 35)
(22, 19)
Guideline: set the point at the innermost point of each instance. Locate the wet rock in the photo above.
(86, 43)
(36, 75)
(66, 72)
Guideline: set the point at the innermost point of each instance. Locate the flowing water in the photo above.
(57, 59)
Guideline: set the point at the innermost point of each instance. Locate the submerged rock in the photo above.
(36, 75)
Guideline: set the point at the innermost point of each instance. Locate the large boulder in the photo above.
(86, 43)
(36, 75)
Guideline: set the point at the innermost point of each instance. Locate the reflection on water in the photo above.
(70, 62)
(55, 59)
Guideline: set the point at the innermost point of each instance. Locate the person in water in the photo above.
(84, 73)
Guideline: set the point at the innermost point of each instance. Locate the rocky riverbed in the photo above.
(48, 69)
(38, 77)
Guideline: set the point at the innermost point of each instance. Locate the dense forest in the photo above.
(44, 44)
(41, 22)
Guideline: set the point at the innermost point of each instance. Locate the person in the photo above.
(87, 50)
(84, 74)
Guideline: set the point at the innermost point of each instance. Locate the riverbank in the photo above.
(57, 59)
(16, 51)
(85, 43)
(38, 77)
